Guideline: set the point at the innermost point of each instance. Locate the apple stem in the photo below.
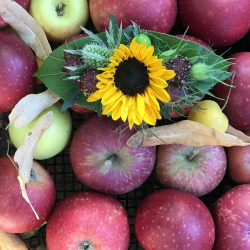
(59, 9)
(195, 151)
(32, 175)
(85, 246)
(110, 160)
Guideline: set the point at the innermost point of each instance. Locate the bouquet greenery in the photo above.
(131, 73)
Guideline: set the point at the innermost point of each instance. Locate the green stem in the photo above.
(195, 151)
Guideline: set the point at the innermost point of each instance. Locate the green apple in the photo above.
(60, 19)
(53, 140)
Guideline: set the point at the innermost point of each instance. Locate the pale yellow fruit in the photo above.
(209, 114)
(39, 65)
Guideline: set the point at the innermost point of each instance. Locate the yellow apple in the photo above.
(53, 140)
(209, 113)
(60, 19)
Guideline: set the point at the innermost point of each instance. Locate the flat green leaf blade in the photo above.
(73, 96)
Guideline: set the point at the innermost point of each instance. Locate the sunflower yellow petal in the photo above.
(116, 112)
(160, 94)
(149, 116)
(124, 110)
(117, 94)
(140, 106)
(158, 82)
(111, 93)
(168, 74)
(151, 100)
(94, 97)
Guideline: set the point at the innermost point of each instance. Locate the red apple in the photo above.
(81, 109)
(23, 3)
(237, 108)
(16, 215)
(154, 15)
(88, 220)
(219, 23)
(173, 219)
(102, 160)
(231, 218)
(197, 170)
(17, 66)
(238, 162)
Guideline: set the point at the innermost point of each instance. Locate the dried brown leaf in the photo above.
(187, 133)
(26, 26)
(24, 154)
(9, 241)
(30, 107)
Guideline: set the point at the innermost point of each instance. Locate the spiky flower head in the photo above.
(96, 56)
(87, 80)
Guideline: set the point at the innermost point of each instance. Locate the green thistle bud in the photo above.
(96, 56)
(199, 71)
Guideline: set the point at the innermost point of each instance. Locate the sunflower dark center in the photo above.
(131, 77)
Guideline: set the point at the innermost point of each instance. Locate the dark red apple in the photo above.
(156, 15)
(81, 109)
(197, 170)
(88, 220)
(219, 23)
(238, 162)
(23, 3)
(102, 160)
(237, 108)
(16, 215)
(231, 215)
(17, 66)
(174, 219)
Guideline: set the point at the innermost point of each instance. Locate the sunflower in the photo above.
(131, 84)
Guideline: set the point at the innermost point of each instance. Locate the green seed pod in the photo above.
(96, 56)
(199, 71)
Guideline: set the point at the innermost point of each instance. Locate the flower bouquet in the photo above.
(133, 74)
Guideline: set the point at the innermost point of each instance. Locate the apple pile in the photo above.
(165, 197)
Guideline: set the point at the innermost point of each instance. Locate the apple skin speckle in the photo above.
(174, 219)
(237, 108)
(157, 15)
(88, 216)
(17, 66)
(231, 215)
(218, 22)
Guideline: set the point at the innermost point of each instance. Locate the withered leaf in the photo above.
(187, 133)
(30, 106)
(24, 154)
(9, 241)
(26, 26)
